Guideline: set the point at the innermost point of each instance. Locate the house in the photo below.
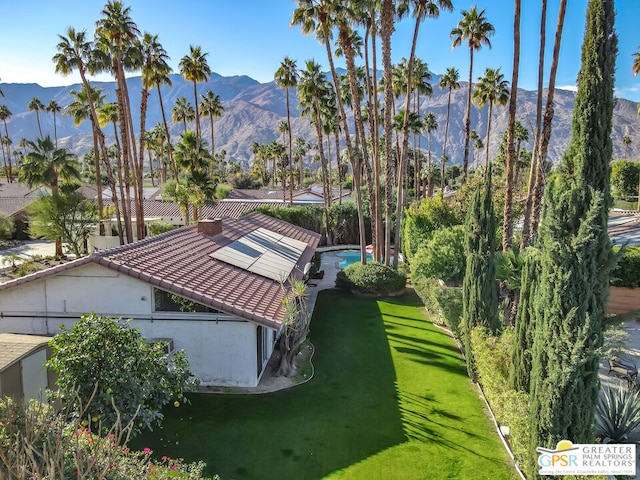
(312, 195)
(14, 199)
(23, 375)
(214, 289)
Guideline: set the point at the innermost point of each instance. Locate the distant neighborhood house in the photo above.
(214, 289)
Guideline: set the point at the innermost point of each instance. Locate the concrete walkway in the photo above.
(29, 249)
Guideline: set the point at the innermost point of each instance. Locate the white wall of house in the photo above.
(222, 349)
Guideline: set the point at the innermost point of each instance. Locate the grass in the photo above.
(390, 399)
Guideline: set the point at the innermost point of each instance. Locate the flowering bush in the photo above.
(37, 442)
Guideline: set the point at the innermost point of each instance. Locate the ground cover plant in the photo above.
(390, 399)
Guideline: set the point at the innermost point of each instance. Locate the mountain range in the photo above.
(254, 110)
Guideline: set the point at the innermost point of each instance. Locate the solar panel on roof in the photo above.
(263, 252)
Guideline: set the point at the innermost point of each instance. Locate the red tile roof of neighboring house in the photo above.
(237, 208)
(262, 194)
(178, 262)
(160, 208)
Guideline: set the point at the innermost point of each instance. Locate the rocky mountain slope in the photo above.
(253, 111)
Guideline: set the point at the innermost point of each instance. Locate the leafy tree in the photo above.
(576, 255)
(109, 366)
(625, 176)
(7, 227)
(70, 217)
(479, 288)
(442, 256)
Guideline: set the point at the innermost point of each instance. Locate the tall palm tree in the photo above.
(286, 77)
(318, 16)
(35, 105)
(116, 36)
(475, 30)
(626, 141)
(313, 92)
(161, 77)
(283, 128)
(430, 125)
(511, 160)
(193, 158)
(75, 52)
(47, 165)
(450, 80)
(534, 200)
(5, 114)
(492, 88)
(183, 112)
(194, 68)
(211, 106)
(6, 142)
(54, 108)
(421, 9)
(301, 148)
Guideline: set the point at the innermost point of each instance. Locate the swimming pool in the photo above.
(350, 256)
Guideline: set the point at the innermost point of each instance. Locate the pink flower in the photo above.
(125, 450)
(165, 458)
(111, 436)
(146, 450)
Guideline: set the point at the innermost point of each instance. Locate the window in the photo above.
(170, 302)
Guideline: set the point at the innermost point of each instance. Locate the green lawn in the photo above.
(390, 399)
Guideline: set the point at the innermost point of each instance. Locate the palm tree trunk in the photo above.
(166, 130)
(290, 150)
(486, 150)
(546, 124)
(511, 161)
(55, 130)
(444, 145)
(467, 119)
(430, 172)
(385, 34)
(139, 196)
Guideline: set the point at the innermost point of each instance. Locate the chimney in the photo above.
(210, 226)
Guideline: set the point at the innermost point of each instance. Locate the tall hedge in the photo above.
(576, 255)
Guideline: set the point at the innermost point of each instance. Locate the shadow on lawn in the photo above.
(347, 413)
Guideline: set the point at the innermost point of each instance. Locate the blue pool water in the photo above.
(350, 257)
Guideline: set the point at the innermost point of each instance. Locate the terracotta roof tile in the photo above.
(178, 261)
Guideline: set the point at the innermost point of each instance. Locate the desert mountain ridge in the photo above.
(253, 111)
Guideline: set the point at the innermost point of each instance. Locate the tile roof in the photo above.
(178, 261)
(237, 208)
(262, 194)
(14, 346)
(160, 208)
(13, 206)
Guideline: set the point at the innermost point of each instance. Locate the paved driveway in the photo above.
(29, 249)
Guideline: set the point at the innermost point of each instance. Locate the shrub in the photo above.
(492, 359)
(222, 191)
(50, 444)
(7, 227)
(244, 180)
(156, 228)
(442, 256)
(627, 272)
(444, 304)
(373, 278)
(422, 219)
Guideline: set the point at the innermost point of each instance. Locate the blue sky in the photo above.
(251, 37)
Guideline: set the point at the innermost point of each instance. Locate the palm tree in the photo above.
(183, 112)
(194, 159)
(116, 35)
(301, 148)
(47, 165)
(53, 107)
(450, 80)
(626, 141)
(430, 125)
(492, 88)
(211, 107)
(6, 142)
(153, 61)
(316, 16)
(194, 68)
(287, 77)
(475, 29)
(35, 105)
(283, 128)
(76, 53)
(160, 77)
(5, 114)
(473, 137)
(511, 160)
(313, 92)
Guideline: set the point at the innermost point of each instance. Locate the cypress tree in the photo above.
(519, 374)
(575, 255)
(479, 288)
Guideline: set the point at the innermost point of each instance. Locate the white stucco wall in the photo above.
(222, 349)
